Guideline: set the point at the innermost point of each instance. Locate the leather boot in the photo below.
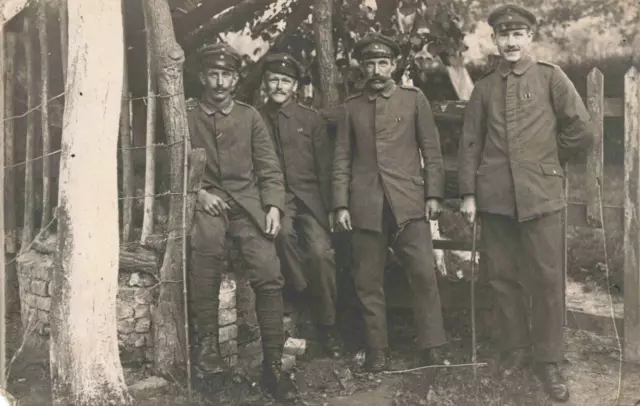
(330, 340)
(277, 382)
(208, 358)
(376, 360)
(552, 380)
(515, 361)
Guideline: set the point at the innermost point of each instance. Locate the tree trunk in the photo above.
(325, 55)
(85, 364)
(169, 320)
(10, 8)
(64, 36)
(3, 278)
(11, 212)
(44, 114)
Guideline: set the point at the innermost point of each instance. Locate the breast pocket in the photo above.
(526, 94)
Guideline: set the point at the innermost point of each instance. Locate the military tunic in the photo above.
(378, 153)
(242, 168)
(378, 177)
(304, 243)
(521, 125)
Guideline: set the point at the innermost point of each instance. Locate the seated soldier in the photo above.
(241, 199)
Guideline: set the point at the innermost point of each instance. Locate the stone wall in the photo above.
(135, 302)
(136, 299)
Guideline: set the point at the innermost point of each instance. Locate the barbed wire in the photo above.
(61, 94)
(58, 151)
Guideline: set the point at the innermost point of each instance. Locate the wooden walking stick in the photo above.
(473, 298)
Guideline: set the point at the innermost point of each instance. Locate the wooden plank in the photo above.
(44, 113)
(595, 163)
(28, 231)
(10, 214)
(197, 163)
(150, 160)
(632, 217)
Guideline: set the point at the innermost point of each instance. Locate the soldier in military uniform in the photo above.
(524, 120)
(241, 199)
(381, 192)
(305, 152)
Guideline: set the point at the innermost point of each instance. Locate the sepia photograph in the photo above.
(320, 202)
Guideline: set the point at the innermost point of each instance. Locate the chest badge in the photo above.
(398, 119)
(300, 130)
(528, 96)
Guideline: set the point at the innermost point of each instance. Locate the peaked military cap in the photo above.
(282, 63)
(376, 46)
(221, 56)
(511, 17)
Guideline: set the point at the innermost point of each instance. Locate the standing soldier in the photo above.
(382, 193)
(523, 122)
(242, 198)
(302, 145)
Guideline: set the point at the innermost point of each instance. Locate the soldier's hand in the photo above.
(212, 204)
(343, 220)
(433, 209)
(332, 221)
(273, 221)
(468, 209)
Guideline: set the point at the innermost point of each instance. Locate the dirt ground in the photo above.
(592, 368)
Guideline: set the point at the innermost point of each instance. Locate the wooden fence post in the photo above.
(28, 230)
(127, 157)
(632, 216)
(150, 161)
(595, 163)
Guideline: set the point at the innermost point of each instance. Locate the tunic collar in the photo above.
(504, 67)
(388, 90)
(211, 109)
(286, 109)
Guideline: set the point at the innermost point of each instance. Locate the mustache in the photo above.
(509, 49)
(220, 88)
(374, 78)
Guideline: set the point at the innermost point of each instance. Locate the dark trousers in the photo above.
(307, 258)
(526, 259)
(209, 253)
(413, 246)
